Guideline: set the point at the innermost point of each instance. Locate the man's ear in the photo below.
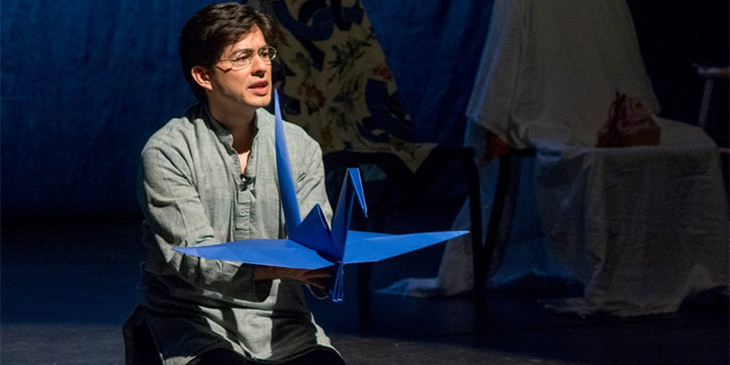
(201, 75)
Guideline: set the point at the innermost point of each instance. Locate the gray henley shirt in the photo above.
(192, 193)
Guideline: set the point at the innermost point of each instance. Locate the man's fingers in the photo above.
(317, 274)
(311, 277)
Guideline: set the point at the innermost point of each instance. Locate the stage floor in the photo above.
(67, 288)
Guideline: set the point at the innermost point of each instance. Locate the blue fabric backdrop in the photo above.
(84, 84)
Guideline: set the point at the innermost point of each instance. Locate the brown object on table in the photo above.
(628, 124)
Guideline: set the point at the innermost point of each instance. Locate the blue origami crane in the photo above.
(311, 243)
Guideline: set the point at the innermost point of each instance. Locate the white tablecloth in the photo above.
(643, 228)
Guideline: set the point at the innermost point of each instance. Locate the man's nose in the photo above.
(258, 65)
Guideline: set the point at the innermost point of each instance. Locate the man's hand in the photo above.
(310, 277)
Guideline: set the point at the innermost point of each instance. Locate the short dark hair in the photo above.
(214, 27)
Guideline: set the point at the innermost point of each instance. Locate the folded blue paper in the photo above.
(311, 243)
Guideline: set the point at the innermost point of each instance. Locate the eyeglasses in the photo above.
(267, 54)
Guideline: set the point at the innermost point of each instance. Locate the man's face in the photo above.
(250, 86)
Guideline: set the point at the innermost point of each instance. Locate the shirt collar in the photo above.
(227, 139)
(222, 133)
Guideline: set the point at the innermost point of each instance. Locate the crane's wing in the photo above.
(367, 247)
(284, 253)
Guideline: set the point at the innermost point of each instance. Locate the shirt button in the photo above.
(242, 213)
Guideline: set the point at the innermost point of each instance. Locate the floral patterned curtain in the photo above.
(335, 82)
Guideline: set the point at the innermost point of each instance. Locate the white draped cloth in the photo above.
(642, 228)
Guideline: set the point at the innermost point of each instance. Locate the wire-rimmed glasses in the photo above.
(266, 53)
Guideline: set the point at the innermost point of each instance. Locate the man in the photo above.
(210, 177)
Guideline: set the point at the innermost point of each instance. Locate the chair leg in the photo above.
(139, 345)
(703, 120)
(484, 253)
(475, 213)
